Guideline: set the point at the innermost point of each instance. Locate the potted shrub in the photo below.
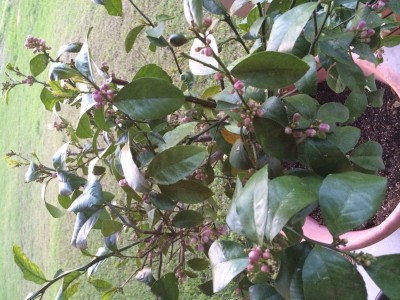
(178, 149)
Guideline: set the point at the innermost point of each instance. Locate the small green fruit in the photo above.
(177, 39)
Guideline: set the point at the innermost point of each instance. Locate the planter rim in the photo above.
(363, 238)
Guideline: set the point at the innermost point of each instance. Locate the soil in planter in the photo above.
(383, 126)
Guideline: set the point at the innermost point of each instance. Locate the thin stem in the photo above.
(142, 14)
(292, 4)
(193, 138)
(201, 62)
(175, 59)
(228, 20)
(345, 21)
(316, 38)
(263, 33)
(83, 268)
(206, 103)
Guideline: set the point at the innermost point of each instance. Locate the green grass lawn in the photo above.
(24, 219)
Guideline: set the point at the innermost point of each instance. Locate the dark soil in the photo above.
(383, 126)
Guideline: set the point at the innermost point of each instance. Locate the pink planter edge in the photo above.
(362, 238)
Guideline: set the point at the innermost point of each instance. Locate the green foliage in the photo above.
(159, 160)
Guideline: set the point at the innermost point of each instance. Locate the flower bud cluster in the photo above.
(28, 80)
(248, 113)
(365, 32)
(103, 95)
(260, 261)
(364, 259)
(206, 235)
(206, 50)
(38, 45)
(199, 174)
(379, 5)
(219, 76)
(312, 131)
(379, 53)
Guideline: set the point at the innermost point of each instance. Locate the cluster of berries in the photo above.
(365, 32)
(199, 174)
(38, 45)
(103, 95)
(28, 80)
(309, 132)
(206, 236)
(248, 113)
(380, 4)
(260, 261)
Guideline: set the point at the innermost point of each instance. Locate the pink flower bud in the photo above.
(361, 25)
(288, 130)
(123, 182)
(97, 97)
(254, 256)
(370, 32)
(207, 22)
(296, 117)
(205, 239)
(207, 51)
(238, 85)
(310, 132)
(194, 240)
(264, 268)
(200, 247)
(219, 76)
(260, 112)
(323, 127)
(247, 122)
(250, 268)
(266, 254)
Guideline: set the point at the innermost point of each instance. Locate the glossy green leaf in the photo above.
(206, 288)
(336, 46)
(84, 129)
(30, 270)
(132, 173)
(60, 156)
(90, 199)
(47, 98)
(110, 227)
(349, 199)
(215, 7)
(273, 139)
(275, 110)
(385, 272)
(109, 294)
(114, 7)
(328, 275)
(287, 195)
(66, 282)
(302, 104)
(308, 83)
(270, 70)
(334, 81)
(368, 156)
(198, 264)
(289, 282)
(152, 71)
(100, 120)
(100, 285)
(375, 98)
(175, 164)
(68, 182)
(69, 48)
(333, 112)
(352, 75)
(166, 288)
(32, 173)
(390, 41)
(325, 158)
(239, 157)
(356, 102)
(59, 71)
(83, 60)
(263, 292)
(82, 227)
(149, 98)
(193, 11)
(131, 37)
(161, 201)
(54, 211)
(228, 259)
(288, 27)
(38, 64)
(345, 138)
(187, 191)
(364, 51)
(232, 218)
(187, 219)
(252, 206)
(173, 137)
